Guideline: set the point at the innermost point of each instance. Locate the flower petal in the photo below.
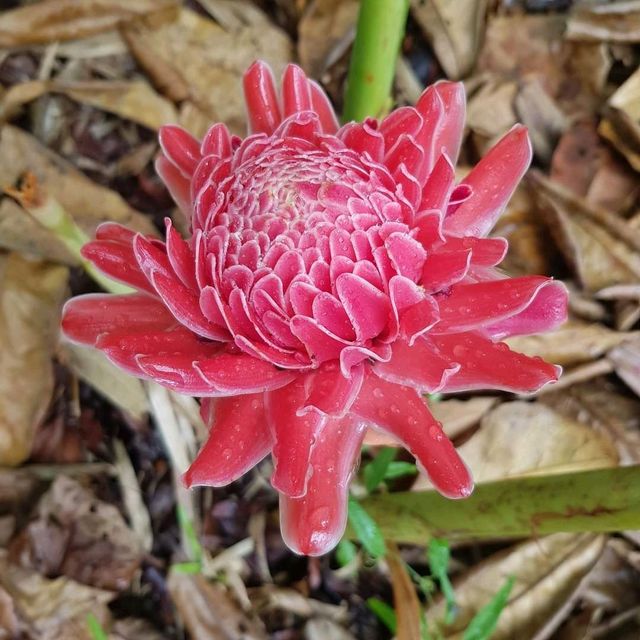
(492, 181)
(261, 99)
(488, 365)
(314, 523)
(238, 440)
(294, 437)
(330, 393)
(180, 148)
(402, 412)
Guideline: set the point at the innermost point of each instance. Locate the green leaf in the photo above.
(189, 534)
(438, 555)
(601, 500)
(384, 613)
(484, 622)
(346, 551)
(400, 469)
(95, 628)
(189, 568)
(375, 471)
(366, 529)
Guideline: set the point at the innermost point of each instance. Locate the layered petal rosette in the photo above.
(332, 276)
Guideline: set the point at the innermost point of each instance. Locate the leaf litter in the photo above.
(89, 522)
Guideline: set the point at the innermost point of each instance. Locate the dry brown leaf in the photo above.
(548, 573)
(52, 609)
(405, 598)
(323, 628)
(573, 343)
(209, 612)
(325, 32)
(134, 629)
(458, 415)
(585, 236)
(87, 202)
(92, 366)
(609, 22)
(626, 360)
(54, 20)
(31, 294)
(455, 30)
(181, 61)
(79, 536)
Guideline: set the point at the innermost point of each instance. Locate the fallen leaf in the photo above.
(323, 628)
(52, 609)
(405, 598)
(134, 629)
(609, 22)
(54, 20)
(586, 236)
(31, 295)
(455, 31)
(92, 366)
(79, 536)
(182, 63)
(209, 612)
(626, 360)
(573, 343)
(325, 32)
(87, 202)
(458, 415)
(548, 573)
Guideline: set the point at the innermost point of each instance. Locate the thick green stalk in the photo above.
(597, 501)
(381, 25)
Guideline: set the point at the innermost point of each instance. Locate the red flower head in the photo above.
(332, 276)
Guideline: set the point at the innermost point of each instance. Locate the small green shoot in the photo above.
(438, 554)
(384, 613)
(484, 622)
(400, 469)
(375, 472)
(346, 551)
(95, 628)
(366, 530)
(189, 535)
(187, 568)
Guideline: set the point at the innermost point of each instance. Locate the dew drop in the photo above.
(378, 393)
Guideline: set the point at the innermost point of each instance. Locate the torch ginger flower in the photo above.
(332, 276)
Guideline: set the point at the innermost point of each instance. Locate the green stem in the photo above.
(603, 500)
(381, 25)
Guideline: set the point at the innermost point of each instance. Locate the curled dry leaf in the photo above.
(571, 344)
(79, 536)
(405, 598)
(182, 63)
(325, 31)
(596, 243)
(31, 294)
(548, 573)
(87, 202)
(90, 365)
(54, 20)
(209, 612)
(609, 22)
(455, 31)
(52, 609)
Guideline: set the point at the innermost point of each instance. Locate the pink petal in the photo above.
(438, 187)
(296, 92)
(323, 107)
(492, 181)
(402, 412)
(331, 393)
(470, 306)
(367, 307)
(85, 318)
(485, 365)
(450, 132)
(407, 255)
(179, 187)
(261, 99)
(181, 148)
(419, 366)
(238, 440)
(180, 256)
(485, 252)
(363, 138)
(445, 268)
(321, 344)
(546, 311)
(294, 437)
(313, 524)
(217, 142)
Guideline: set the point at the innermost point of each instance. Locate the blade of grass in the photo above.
(600, 500)
(375, 472)
(438, 555)
(383, 612)
(366, 530)
(484, 622)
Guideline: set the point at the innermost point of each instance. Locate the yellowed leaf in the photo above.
(31, 294)
(180, 59)
(208, 611)
(458, 415)
(573, 343)
(70, 19)
(325, 32)
(405, 598)
(53, 609)
(609, 22)
(548, 573)
(455, 30)
(87, 202)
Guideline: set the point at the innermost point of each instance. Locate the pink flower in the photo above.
(332, 276)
